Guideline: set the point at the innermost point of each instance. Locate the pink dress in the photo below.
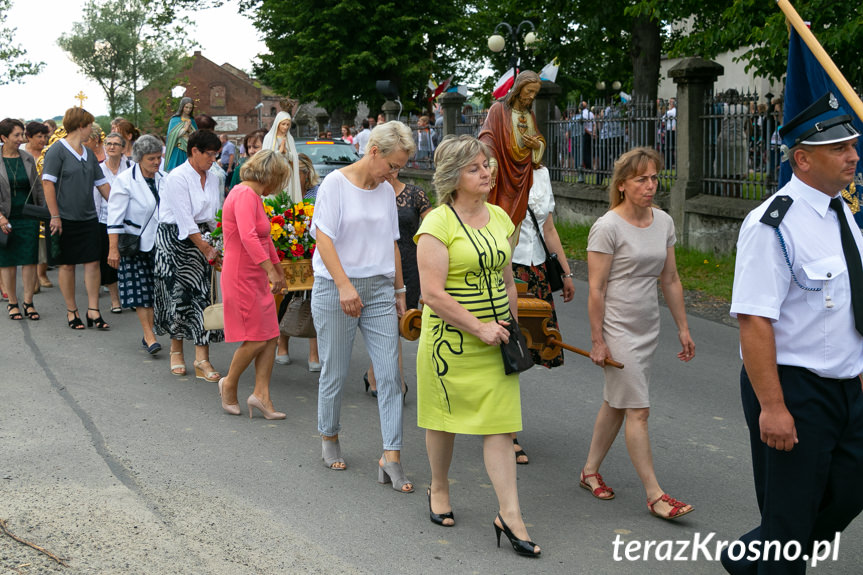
(250, 310)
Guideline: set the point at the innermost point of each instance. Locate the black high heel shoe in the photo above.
(520, 546)
(374, 392)
(97, 321)
(438, 518)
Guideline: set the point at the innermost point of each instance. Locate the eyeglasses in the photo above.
(394, 167)
(213, 155)
(113, 145)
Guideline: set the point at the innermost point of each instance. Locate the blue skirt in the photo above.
(135, 280)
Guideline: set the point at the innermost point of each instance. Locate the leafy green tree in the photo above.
(760, 27)
(118, 45)
(333, 51)
(15, 65)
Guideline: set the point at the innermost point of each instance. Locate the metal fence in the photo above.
(583, 145)
(741, 146)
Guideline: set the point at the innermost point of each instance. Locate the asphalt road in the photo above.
(110, 462)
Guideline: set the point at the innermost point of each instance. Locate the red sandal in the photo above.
(603, 488)
(676, 507)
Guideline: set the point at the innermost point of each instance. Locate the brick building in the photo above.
(227, 93)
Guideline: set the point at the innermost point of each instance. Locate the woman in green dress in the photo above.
(19, 184)
(463, 256)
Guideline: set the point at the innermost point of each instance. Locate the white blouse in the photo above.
(182, 200)
(529, 250)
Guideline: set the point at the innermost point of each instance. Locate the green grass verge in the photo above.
(708, 273)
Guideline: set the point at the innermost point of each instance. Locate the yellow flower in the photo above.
(707, 262)
(269, 210)
(299, 227)
(276, 231)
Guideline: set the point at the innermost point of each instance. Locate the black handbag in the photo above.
(553, 269)
(516, 357)
(129, 245)
(4, 239)
(33, 211)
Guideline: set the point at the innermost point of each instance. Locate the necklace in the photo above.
(12, 181)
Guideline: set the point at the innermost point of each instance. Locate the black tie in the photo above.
(852, 261)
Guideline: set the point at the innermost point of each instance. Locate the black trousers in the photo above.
(811, 492)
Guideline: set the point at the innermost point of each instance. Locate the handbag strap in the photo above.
(150, 217)
(539, 233)
(213, 286)
(482, 267)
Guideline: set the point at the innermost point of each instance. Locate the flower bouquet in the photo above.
(290, 225)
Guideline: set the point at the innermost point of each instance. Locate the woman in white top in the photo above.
(132, 209)
(358, 284)
(189, 198)
(114, 163)
(279, 138)
(528, 264)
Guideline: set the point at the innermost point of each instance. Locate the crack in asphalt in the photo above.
(118, 469)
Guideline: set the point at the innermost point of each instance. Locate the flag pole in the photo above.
(822, 56)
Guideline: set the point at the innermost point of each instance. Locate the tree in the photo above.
(15, 64)
(760, 28)
(333, 51)
(117, 45)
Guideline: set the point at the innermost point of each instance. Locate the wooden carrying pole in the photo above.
(572, 348)
(822, 56)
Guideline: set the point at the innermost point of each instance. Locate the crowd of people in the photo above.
(138, 212)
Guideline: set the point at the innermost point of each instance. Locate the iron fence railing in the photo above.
(741, 146)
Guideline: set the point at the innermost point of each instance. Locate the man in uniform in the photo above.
(510, 131)
(798, 296)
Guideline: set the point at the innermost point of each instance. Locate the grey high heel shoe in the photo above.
(392, 472)
(331, 453)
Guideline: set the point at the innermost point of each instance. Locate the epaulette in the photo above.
(776, 211)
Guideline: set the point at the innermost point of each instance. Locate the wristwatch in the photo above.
(569, 275)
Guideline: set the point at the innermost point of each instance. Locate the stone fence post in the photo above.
(391, 110)
(322, 118)
(543, 108)
(451, 103)
(694, 78)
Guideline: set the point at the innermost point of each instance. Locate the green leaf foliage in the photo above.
(14, 65)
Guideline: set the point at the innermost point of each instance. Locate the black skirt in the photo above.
(80, 242)
(109, 274)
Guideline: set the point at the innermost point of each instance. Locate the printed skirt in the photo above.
(183, 281)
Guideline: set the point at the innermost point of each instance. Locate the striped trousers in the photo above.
(336, 331)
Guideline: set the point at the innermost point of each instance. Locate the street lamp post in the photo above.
(496, 42)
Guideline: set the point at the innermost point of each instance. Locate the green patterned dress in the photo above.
(23, 246)
(461, 385)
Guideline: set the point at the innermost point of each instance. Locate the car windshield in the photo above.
(328, 152)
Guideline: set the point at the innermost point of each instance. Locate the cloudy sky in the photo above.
(53, 91)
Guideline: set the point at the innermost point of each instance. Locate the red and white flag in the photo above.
(441, 88)
(502, 86)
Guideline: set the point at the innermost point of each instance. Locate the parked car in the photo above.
(327, 154)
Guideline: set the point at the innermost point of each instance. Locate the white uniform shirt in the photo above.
(813, 329)
(529, 250)
(362, 140)
(182, 201)
(363, 225)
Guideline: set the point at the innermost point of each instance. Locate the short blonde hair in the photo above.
(453, 155)
(391, 137)
(269, 168)
(628, 165)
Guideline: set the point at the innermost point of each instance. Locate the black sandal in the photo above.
(75, 322)
(97, 321)
(520, 453)
(30, 311)
(16, 316)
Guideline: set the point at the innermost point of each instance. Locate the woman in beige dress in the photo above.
(628, 249)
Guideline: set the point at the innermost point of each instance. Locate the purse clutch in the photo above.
(35, 212)
(516, 356)
(4, 239)
(129, 245)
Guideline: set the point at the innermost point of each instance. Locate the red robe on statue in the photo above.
(515, 163)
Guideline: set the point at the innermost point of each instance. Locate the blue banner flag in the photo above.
(805, 82)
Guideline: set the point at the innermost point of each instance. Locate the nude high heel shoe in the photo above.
(254, 402)
(231, 409)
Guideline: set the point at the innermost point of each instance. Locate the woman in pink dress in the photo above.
(250, 276)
